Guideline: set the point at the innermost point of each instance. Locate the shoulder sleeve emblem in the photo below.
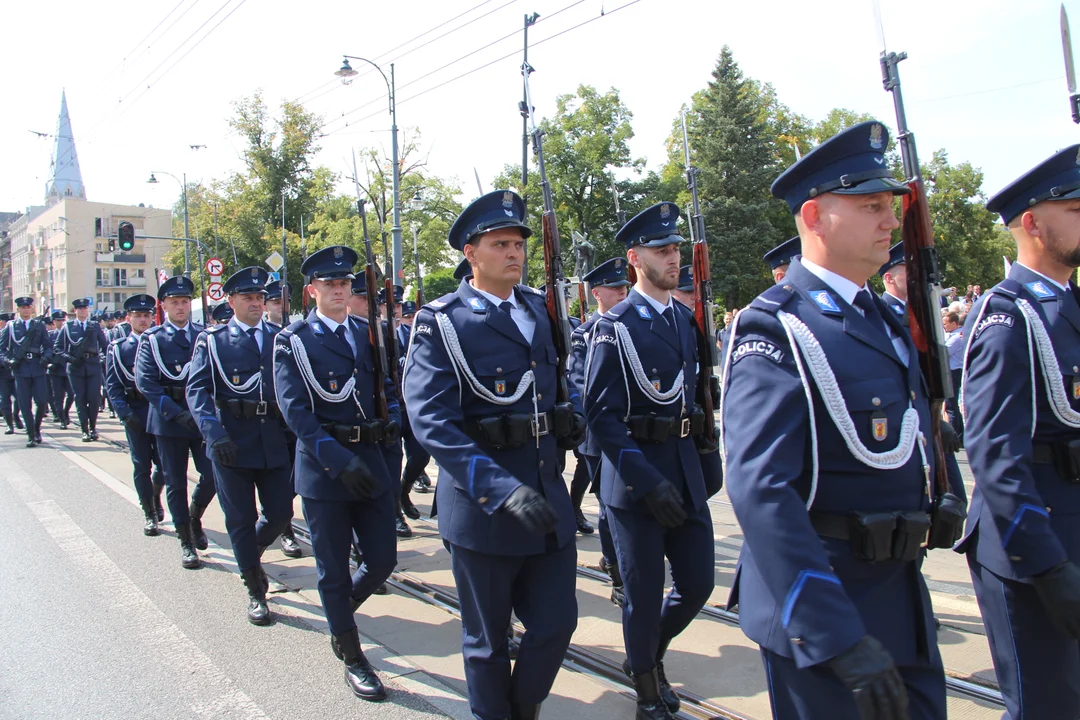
(422, 329)
(757, 347)
(994, 320)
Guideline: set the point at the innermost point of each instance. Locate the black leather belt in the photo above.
(509, 430)
(370, 433)
(248, 409)
(877, 536)
(88, 355)
(176, 392)
(1064, 455)
(658, 429)
(133, 395)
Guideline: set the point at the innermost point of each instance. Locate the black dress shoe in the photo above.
(258, 613)
(37, 438)
(524, 712)
(150, 526)
(618, 596)
(31, 443)
(409, 509)
(94, 435)
(198, 536)
(419, 486)
(359, 675)
(289, 546)
(401, 527)
(10, 430)
(63, 426)
(583, 525)
(86, 437)
(188, 557)
(650, 706)
(381, 590)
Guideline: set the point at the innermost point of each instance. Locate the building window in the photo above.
(119, 277)
(117, 298)
(97, 227)
(101, 275)
(140, 273)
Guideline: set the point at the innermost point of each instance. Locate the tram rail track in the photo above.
(583, 660)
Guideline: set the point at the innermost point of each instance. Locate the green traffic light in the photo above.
(125, 233)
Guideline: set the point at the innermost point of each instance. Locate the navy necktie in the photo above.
(254, 338)
(340, 332)
(864, 302)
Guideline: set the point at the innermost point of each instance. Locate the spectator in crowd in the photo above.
(954, 341)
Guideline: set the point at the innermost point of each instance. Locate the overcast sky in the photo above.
(985, 79)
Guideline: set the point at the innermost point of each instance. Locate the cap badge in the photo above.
(508, 199)
(875, 136)
(665, 210)
(338, 253)
(618, 263)
(254, 272)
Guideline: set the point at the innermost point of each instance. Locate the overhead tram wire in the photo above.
(336, 81)
(488, 64)
(457, 60)
(188, 51)
(146, 37)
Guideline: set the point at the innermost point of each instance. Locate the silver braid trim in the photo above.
(155, 350)
(127, 375)
(1055, 387)
(822, 373)
(453, 349)
(668, 397)
(302, 362)
(241, 389)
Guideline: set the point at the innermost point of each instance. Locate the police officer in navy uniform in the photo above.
(222, 313)
(894, 275)
(780, 257)
(7, 383)
(132, 408)
(395, 455)
(123, 326)
(824, 414)
(324, 377)
(486, 410)
(60, 395)
(639, 401)
(684, 292)
(416, 457)
(27, 350)
(162, 365)
(230, 392)
(81, 344)
(289, 545)
(608, 284)
(1023, 443)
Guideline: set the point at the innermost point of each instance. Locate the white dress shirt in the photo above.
(524, 320)
(848, 290)
(332, 325)
(259, 332)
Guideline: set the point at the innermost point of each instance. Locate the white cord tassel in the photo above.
(453, 349)
(1055, 387)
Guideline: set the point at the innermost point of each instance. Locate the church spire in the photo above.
(65, 177)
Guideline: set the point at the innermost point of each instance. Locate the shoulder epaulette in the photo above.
(293, 327)
(273, 325)
(617, 311)
(440, 304)
(534, 291)
(155, 329)
(215, 328)
(774, 298)
(1008, 288)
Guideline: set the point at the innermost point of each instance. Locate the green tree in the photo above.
(970, 242)
(586, 142)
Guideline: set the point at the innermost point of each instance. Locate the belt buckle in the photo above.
(540, 425)
(260, 408)
(354, 434)
(30, 356)
(684, 429)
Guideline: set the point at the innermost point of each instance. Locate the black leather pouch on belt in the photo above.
(176, 392)
(561, 418)
(910, 535)
(946, 522)
(871, 535)
(649, 428)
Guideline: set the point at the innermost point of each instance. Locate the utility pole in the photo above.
(523, 106)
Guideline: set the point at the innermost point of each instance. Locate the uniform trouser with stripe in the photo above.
(248, 530)
(86, 384)
(1037, 664)
(173, 452)
(33, 394)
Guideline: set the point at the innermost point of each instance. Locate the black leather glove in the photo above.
(666, 505)
(131, 421)
(706, 446)
(576, 436)
(357, 478)
(224, 451)
(532, 510)
(1059, 590)
(950, 441)
(868, 671)
(185, 420)
(391, 433)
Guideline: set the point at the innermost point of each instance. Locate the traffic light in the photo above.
(125, 233)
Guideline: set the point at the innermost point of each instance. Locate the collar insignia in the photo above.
(643, 311)
(825, 301)
(317, 328)
(476, 304)
(1039, 290)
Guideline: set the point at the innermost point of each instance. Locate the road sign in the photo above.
(215, 267)
(275, 261)
(215, 291)
(275, 276)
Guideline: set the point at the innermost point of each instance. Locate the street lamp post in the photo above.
(346, 73)
(183, 187)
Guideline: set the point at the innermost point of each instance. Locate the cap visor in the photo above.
(661, 242)
(876, 185)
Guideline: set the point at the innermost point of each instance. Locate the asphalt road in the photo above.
(97, 621)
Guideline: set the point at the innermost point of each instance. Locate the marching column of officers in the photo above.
(825, 444)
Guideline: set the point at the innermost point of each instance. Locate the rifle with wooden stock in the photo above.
(923, 313)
